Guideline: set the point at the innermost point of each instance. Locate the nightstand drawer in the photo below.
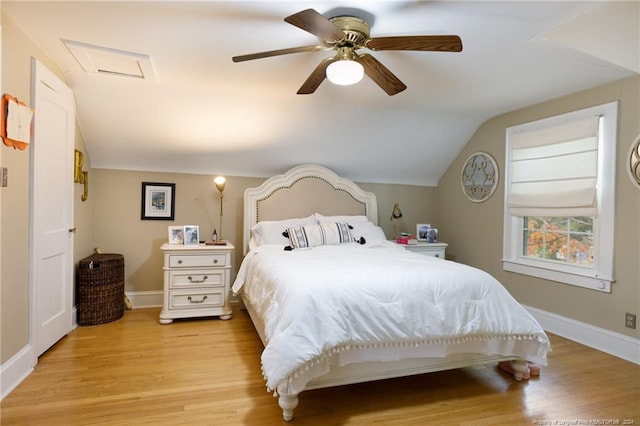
(201, 260)
(439, 253)
(197, 278)
(428, 249)
(185, 299)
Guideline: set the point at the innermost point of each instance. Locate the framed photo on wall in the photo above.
(421, 231)
(158, 201)
(191, 234)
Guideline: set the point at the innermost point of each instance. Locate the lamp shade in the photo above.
(220, 181)
(396, 213)
(345, 72)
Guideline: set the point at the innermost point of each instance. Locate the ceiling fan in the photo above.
(345, 35)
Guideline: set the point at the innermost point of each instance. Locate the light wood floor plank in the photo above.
(135, 371)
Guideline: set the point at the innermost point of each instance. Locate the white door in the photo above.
(51, 238)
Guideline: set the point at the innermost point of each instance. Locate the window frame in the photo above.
(600, 275)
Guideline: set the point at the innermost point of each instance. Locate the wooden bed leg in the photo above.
(520, 369)
(288, 403)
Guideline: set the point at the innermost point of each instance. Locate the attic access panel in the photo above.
(104, 60)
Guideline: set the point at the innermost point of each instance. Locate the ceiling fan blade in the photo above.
(316, 78)
(316, 24)
(278, 52)
(381, 74)
(438, 43)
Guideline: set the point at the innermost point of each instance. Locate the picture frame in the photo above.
(176, 234)
(421, 231)
(158, 201)
(191, 235)
(432, 235)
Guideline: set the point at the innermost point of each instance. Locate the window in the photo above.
(559, 197)
(565, 239)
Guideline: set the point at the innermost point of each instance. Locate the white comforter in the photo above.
(322, 305)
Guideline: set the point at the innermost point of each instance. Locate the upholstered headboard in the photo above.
(302, 191)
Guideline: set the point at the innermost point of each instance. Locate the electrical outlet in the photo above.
(630, 320)
(3, 177)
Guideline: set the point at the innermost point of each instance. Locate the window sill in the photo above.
(585, 281)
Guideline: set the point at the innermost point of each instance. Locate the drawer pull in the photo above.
(215, 261)
(179, 261)
(191, 280)
(197, 301)
(437, 255)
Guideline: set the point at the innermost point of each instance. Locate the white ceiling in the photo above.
(201, 113)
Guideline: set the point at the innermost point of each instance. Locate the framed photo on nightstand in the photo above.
(421, 231)
(432, 235)
(176, 234)
(191, 235)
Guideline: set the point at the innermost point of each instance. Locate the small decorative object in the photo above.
(479, 178)
(432, 235)
(395, 215)
(15, 122)
(176, 235)
(214, 236)
(634, 162)
(421, 231)
(191, 234)
(85, 189)
(158, 201)
(220, 181)
(80, 176)
(406, 238)
(78, 163)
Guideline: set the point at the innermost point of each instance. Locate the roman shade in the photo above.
(553, 171)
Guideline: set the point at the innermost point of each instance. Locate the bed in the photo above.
(335, 303)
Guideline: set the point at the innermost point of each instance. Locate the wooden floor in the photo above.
(135, 371)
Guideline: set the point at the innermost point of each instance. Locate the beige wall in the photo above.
(118, 228)
(474, 231)
(17, 51)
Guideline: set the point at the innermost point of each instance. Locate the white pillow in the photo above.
(350, 219)
(367, 230)
(270, 232)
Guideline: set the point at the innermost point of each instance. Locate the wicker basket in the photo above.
(100, 289)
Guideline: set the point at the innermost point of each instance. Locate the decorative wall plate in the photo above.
(633, 163)
(479, 178)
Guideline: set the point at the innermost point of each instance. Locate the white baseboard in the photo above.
(16, 369)
(145, 299)
(611, 342)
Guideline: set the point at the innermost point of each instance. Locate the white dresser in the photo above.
(196, 281)
(428, 249)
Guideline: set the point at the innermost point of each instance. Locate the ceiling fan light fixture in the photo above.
(345, 72)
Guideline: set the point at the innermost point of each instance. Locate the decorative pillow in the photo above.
(350, 219)
(320, 235)
(270, 232)
(368, 231)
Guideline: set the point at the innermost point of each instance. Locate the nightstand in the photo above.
(196, 281)
(428, 249)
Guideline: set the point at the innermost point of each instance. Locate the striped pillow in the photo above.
(323, 234)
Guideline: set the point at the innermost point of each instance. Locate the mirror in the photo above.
(634, 162)
(479, 177)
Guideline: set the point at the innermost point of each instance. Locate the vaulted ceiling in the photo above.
(196, 111)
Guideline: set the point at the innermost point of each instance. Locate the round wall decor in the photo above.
(634, 162)
(479, 177)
